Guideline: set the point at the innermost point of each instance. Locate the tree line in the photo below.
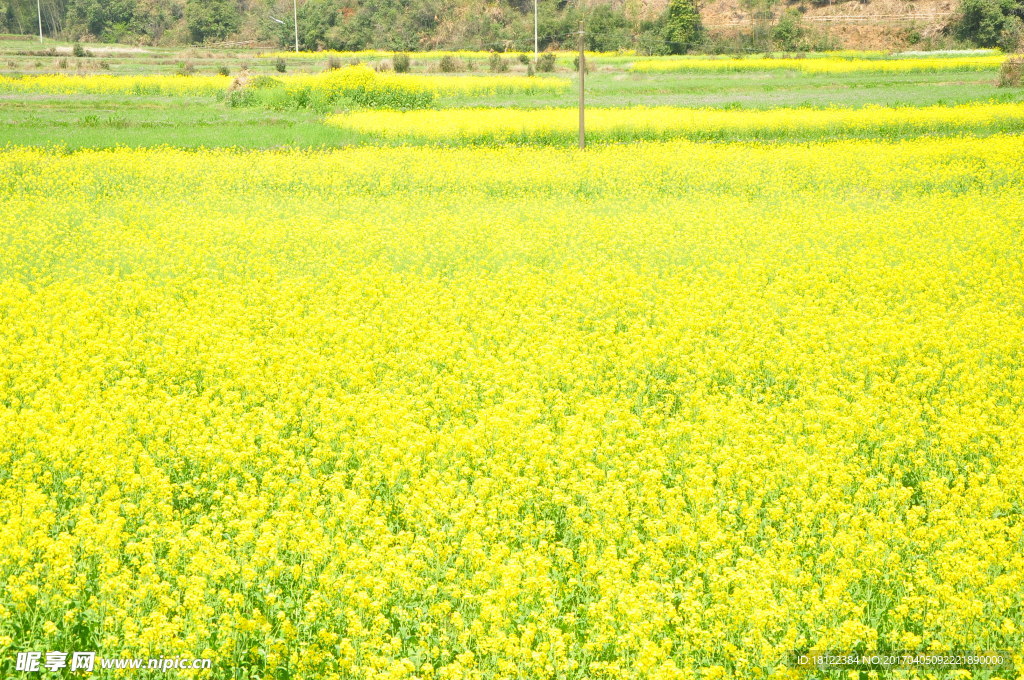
(409, 25)
(401, 25)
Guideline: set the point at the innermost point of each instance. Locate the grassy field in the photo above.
(96, 120)
(317, 390)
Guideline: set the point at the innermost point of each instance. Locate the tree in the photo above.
(985, 22)
(607, 30)
(789, 32)
(98, 18)
(683, 27)
(211, 18)
(762, 15)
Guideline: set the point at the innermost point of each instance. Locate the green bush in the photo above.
(546, 63)
(265, 83)
(1011, 72)
(280, 65)
(448, 64)
(496, 63)
(401, 62)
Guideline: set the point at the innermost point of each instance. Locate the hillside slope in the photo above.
(856, 24)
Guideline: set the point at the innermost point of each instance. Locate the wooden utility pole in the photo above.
(582, 75)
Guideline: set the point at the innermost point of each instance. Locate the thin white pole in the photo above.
(39, 9)
(536, 42)
(295, 18)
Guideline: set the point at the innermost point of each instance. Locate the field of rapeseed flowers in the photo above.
(558, 126)
(338, 81)
(660, 411)
(834, 64)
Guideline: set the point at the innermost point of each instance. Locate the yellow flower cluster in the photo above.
(821, 65)
(497, 125)
(476, 85)
(652, 411)
(328, 81)
(361, 76)
(170, 85)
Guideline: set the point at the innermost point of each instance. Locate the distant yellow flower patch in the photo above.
(820, 65)
(326, 82)
(538, 125)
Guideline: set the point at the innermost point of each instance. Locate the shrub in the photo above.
(333, 64)
(186, 68)
(1011, 72)
(496, 64)
(523, 59)
(224, 71)
(78, 50)
(265, 83)
(448, 64)
(546, 63)
(280, 65)
(62, 63)
(401, 62)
